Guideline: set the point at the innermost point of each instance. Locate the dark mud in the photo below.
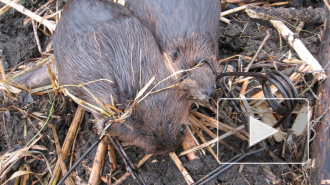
(17, 41)
(242, 36)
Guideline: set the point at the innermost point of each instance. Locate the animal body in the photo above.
(187, 34)
(101, 45)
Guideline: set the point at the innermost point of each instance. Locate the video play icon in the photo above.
(259, 131)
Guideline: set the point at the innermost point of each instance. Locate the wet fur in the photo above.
(188, 26)
(98, 39)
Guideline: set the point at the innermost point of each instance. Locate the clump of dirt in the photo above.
(17, 41)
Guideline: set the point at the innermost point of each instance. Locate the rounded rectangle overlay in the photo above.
(258, 110)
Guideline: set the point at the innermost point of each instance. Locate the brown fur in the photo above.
(98, 39)
(190, 27)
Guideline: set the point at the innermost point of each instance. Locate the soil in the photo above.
(20, 119)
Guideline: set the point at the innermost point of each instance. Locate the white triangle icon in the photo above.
(259, 131)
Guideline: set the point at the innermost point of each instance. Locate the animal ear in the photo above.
(175, 55)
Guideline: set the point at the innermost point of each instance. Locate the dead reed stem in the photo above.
(68, 142)
(127, 174)
(181, 168)
(98, 163)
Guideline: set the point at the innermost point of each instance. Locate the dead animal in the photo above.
(106, 55)
(187, 34)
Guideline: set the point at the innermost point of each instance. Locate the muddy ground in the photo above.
(19, 123)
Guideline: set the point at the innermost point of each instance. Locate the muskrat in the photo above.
(97, 40)
(187, 33)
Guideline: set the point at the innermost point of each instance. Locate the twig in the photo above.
(112, 157)
(28, 13)
(7, 7)
(3, 76)
(213, 140)
(309, 88)
(223, 19)
(240, 8)
(326, 4)
(44, 89)
(234, 10)
(39, 11)
(60, 158)
(221, 126)
(277, 4)
(9, 160)
(200, 135)
(34, 26)
(181, 168)
(258, 51)
(68, 142)
(190, 142)
(234, 56)
(127, 174)
(299, 47)
(203, 125)
(94, 178)
(90, 169)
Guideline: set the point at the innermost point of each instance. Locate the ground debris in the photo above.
(316, 15)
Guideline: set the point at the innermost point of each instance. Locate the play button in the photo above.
(259, 131)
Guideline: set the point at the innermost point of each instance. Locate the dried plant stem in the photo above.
(181, 168)
(240, 8)
(190, 142)
(39, 11)
(2, 71)
(194, 120)
(234, 56)
(213, 140)
(90, 169)
(68, 142)
(86, 105)
(43, 90)
(258, 51)
(41, 62)
(127, 174)
(94, 178)
(278, 4)
(244, 86)
(7, 7)
(201, 125)
(7, 161)
(34, 26)
(221, 126)
(28, 13)
(326, 4)
(51, 76)
(223, 19)
(234, 10)
(299, 47)
(68, 181)
(112, 157)
(3, 76)
(200, 135)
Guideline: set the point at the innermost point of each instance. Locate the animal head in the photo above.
(156, 125)
(194, 52)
